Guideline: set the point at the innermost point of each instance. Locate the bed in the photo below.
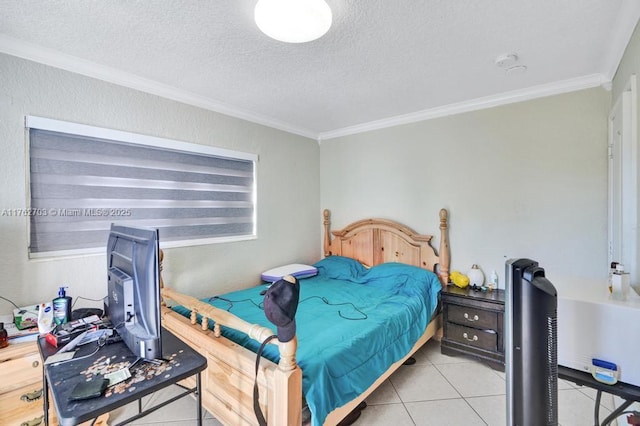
(370, 254)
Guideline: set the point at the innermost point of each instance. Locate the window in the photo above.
(84, 178)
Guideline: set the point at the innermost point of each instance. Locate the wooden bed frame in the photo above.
(227, 382)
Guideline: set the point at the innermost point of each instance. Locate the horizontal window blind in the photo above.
(80, 184)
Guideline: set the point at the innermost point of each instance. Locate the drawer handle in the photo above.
(466, 336)
(35, 364)
(475, 317)
(35, 422)
(32, 396)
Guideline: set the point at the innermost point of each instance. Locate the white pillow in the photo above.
(296, 269)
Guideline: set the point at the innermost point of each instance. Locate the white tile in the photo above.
(431, 395)
(123, 413)
(205, 422)
(181, 410)
(473, 379)
(565, 384)
(422, 355)
(447, 412)
(385, 394)
(421, 382)
(576, 409)
(501, 374)
(606, 400)
(492, 409)
(385, 415)
(432, 351)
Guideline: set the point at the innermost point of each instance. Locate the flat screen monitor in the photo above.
(133, 301)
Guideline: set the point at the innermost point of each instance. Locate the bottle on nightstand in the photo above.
(493, 280)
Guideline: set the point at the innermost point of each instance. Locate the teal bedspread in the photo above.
(352, 324)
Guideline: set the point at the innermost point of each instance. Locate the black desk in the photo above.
(629, 393)
(181, 362)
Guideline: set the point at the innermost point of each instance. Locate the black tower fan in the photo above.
(531, 345)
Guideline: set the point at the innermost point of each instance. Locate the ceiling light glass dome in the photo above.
(293, 21)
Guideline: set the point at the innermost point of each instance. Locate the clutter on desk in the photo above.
(139, 369)
(16, 335)
(85, 312)
(118, 376)
(59, 357)
(89, 389)
(55, 320)
(26, 317)
(45, 318)
(66, 332)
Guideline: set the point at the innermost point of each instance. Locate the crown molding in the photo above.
(50, 57)
(56, 59)
(621, 33)
(530, 93)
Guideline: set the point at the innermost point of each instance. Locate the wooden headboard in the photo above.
(375, 241)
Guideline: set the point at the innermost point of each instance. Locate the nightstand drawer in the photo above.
(487, 340)
(20, 372)
(472, 317)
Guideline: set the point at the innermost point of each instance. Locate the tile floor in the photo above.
(438, 390)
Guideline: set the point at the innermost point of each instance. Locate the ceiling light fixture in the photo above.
(293, 21)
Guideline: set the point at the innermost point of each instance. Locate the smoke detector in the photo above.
(506, 60)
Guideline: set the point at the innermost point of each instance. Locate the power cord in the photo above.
(10, 301)
(76, 298)
(324, 299)
(100, 345)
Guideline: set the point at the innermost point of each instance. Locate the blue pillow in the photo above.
(401, 278)
(340, 267)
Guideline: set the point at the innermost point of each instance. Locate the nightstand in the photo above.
(474, 324)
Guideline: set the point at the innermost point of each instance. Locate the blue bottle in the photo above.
(61, 307)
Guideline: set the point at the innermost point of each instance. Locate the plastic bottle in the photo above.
(4, 337)
(494, 279)
(45, 318)
(62, 307)
(612, 269)
(620, 283)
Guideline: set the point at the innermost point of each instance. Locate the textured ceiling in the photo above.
(382, 62)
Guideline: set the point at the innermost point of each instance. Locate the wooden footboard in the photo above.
(229, 378)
